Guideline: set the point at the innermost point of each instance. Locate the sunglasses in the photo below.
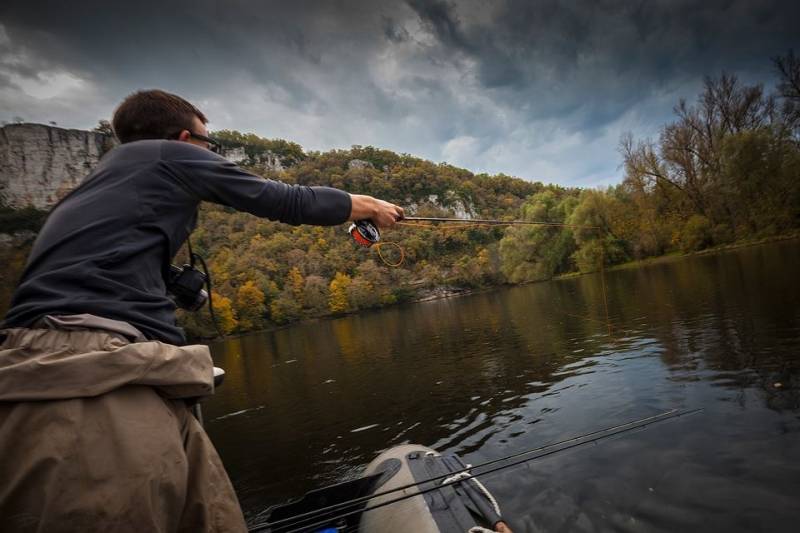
(213, 144)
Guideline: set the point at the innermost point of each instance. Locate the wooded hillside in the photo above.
(726, 169)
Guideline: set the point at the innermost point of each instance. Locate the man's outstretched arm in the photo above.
(211, 178)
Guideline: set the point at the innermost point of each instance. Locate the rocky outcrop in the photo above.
(359, 163)
(40, 164)
(17, 239)
(450, 203)
(235, 155)
(263, 161)
(270, 161)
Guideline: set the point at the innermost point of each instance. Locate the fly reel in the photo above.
(364, 232)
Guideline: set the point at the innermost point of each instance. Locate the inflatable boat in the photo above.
(414, 488)
(406, 488)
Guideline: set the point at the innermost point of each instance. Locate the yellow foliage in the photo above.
(295, 281)
(338, 301)
(484, 259)
(223, 309)
(250, 306)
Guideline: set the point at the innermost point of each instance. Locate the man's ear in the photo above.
(184, 135)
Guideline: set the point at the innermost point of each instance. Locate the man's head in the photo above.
(156, 114)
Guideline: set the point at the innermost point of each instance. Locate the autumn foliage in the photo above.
(727, 169)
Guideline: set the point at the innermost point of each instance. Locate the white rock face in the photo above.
(461, 210)
(40, 164)
(455, 206)
(358, 163)
(270, 161)
(235, 155)
(265, 160)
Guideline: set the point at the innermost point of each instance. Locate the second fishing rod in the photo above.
(312, 520)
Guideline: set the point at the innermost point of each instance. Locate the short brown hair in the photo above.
(153, 114)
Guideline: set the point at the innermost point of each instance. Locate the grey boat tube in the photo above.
(459, 504)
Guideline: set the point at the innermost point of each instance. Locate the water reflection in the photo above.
(499, 372)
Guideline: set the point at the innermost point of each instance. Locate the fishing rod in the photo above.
(489, 221)
(366, 233)
(351, 507)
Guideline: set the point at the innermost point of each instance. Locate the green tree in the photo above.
(532, 253)
(315, 295)
(593, 231)
(285, 308)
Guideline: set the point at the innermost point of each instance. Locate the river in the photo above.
(496, 373)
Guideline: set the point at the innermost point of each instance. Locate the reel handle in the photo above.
(364, 232)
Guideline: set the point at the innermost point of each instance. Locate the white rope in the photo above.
(466, 475)
(488, 496)
(457, 477)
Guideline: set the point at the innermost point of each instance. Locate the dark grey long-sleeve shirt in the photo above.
(105, 247)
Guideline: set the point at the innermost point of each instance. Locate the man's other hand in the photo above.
(382, 214)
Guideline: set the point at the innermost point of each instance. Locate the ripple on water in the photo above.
(364, 428)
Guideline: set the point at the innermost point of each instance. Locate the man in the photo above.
(95, 434)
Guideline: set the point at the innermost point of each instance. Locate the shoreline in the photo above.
(706, 251)
(455, 292)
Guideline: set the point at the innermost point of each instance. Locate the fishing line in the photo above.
(379, 247)
(366, 233)
(562, 445)
(369, 237)
(493, 222)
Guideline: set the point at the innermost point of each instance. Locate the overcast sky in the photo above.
(540, 90)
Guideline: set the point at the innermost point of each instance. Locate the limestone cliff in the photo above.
(265, 160)
(40, 164)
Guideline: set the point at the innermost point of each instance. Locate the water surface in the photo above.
(500, 372)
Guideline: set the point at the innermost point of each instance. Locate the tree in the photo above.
(315, 294)
(361, 293)
(250, 306)
(223, 309)
(687, 158)
(295, 283)
(788, 67)
(532, 253)
(595, 238)
(695, 234)
(760, 170)
(338, 301)
(285, 308)
(471, 270)
(104, 127)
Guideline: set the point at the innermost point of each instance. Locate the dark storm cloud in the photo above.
(440, 16)
(514, 86)
(614, 51)
(177, 43)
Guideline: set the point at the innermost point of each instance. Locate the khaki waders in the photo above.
(95, 435)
